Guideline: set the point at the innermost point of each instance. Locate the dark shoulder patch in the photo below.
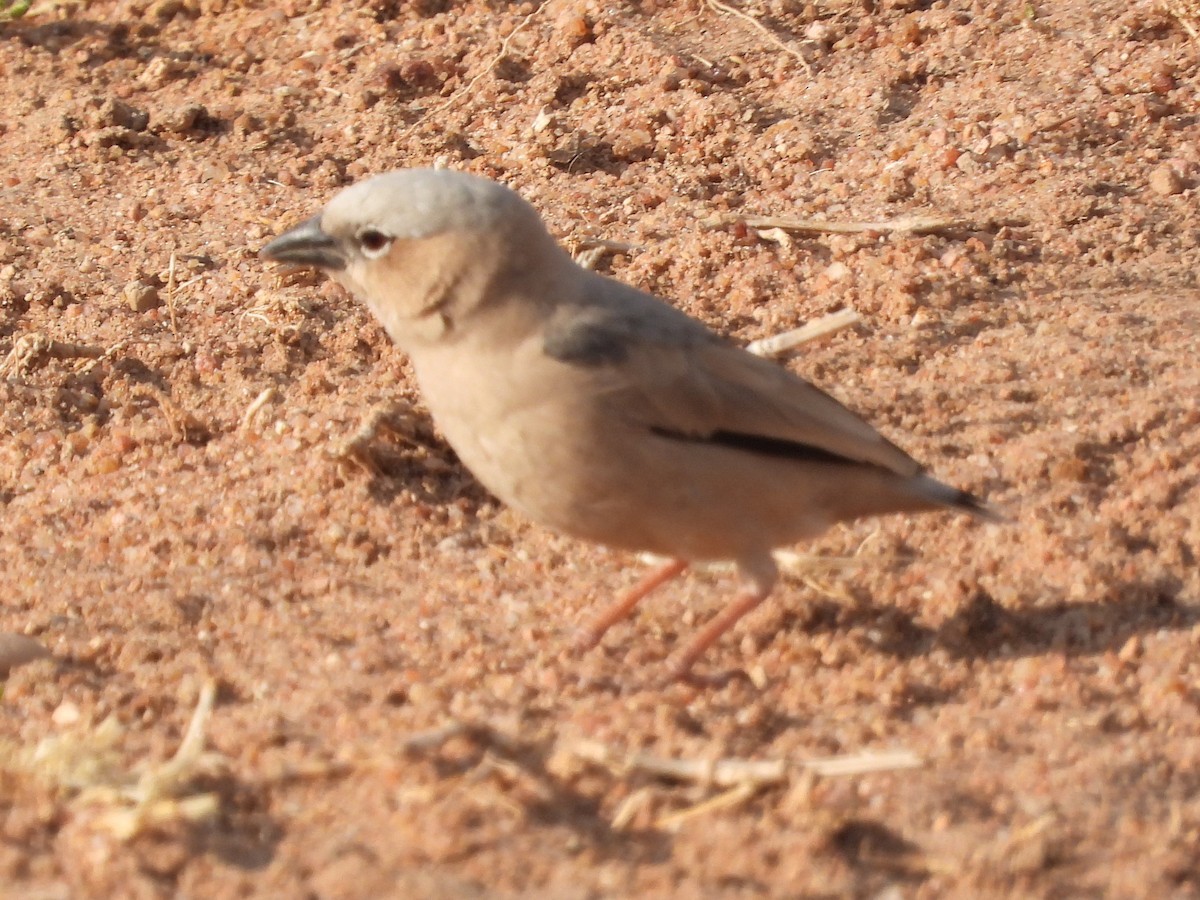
(586, 343)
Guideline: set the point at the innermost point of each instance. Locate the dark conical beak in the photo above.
(306, 245)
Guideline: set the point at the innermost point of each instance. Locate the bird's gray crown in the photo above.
(418, 203)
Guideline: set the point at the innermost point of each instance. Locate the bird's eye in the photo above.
(373, 243)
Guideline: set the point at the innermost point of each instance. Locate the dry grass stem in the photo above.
(836, 593)
(775, 236)
(592, 250)
(478, 732)
(435, 738)
(492, 63)
(628, 809)
(863, 763)
(735, 796)
(722, 773)
(256, 406)
(779, 344)
(800, 565)
(168, 779)
(395, 418)
(766, 32)
(30, 350)
(171, 294)
(732, 773)
(94, 361)
(276, 306)
(157, 795)
(1187, 13)
(901, 225)
(182, 424)
(86, 765)
(541, 766)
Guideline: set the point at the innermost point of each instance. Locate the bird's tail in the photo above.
(944, 495)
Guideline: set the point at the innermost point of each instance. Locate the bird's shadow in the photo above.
(61, 33)
(985, 629)
(410, 459)
(982, 629)
(400, 474)
(877, 855)
(101, 41)
(247, 834)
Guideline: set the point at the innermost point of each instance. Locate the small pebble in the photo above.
(182, 119)
(66, 714)
(1165, 180)
(141, 297)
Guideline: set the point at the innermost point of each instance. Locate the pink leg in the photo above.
(590, 636)
(759, 577)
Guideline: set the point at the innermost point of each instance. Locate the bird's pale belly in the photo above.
(625, 487)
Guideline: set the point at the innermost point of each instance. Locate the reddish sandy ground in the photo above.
(177, 510)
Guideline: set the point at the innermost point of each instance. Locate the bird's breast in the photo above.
(545, 446)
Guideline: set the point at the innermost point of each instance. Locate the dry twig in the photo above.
(1187, 13)
(735, 796)
(157, 795)
(790, 562)
(863, 763)
(492, 63)
(902, 225)
(592, 250)
(256, 406)
(479, 732)
(434, 738)
(171, 294)
(106, 355)
(722, 773)
(542, 764)
(182, 424)
(30, 350)
(779, 344)
(791, 51)
(628, 808)
(168, 779)
(85, 764)
(392, 418)
(728, 773)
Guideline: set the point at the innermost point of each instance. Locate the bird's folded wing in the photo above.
(717, 391)
(652, 364)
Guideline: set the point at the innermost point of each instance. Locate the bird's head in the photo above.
(423, 248)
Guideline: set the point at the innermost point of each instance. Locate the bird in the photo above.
(594, 408)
